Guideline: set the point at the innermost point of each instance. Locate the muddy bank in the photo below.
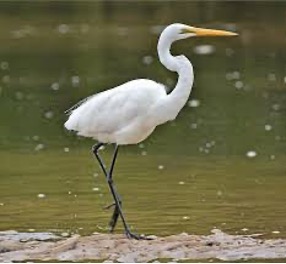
(16, 246)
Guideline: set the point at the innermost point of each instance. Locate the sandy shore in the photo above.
(16, 246)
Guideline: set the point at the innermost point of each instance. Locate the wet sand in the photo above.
(16, 246)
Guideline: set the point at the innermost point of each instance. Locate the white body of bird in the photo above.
(121, 115)
(128, 114)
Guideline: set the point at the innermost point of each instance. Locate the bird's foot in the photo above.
(136, 236)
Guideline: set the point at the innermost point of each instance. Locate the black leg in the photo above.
(118, 209)
(115, 215)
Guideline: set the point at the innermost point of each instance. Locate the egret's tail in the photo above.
(68, 125)
(72, 122)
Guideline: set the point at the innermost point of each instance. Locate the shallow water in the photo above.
(220, 164)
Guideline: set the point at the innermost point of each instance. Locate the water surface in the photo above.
(220, 164)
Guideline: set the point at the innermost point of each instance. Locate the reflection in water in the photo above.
(221, 163)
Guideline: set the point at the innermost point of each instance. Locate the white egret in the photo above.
(129, 113)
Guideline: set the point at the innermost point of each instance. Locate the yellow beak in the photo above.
(204, 32)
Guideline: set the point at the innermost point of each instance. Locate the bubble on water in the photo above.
(19, 96)
(207, 151)
(271, 77)
(181, 182)
(204, 49)
(277, 138)
(69, 192)
(63, 28)
(6, 79)
(75, 80)
(147, 60)
(95, 189)
(251, 154)
(143, 153)
(141, 145)
(235, 75)
(4, 65)
(209, 145)
(276, 107)
(55, 86)
(31, 230)
(66, 149)
(39, 147)
(49, 115)
(238, 85)
(41, 195)
(194, 125)
(194, 103)
(219, 193)
(2, 204)
(275, 232)
(161, 167)
(201, 149)
(285, 79)
(268, 127)
(186, 217)
(272, 157)
(95, 174)
(65, 234)
(244, 229)
(35, 138)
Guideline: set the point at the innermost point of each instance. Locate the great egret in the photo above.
(129, 113)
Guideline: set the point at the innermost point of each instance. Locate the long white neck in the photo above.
(175, 101)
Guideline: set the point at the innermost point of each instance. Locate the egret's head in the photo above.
(180, 31)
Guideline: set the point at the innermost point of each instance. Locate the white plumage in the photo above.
(122, 115)
(127, 114)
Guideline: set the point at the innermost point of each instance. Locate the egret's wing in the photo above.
(78, 104)
(110, 111)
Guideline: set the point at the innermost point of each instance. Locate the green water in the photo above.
(191, 175)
